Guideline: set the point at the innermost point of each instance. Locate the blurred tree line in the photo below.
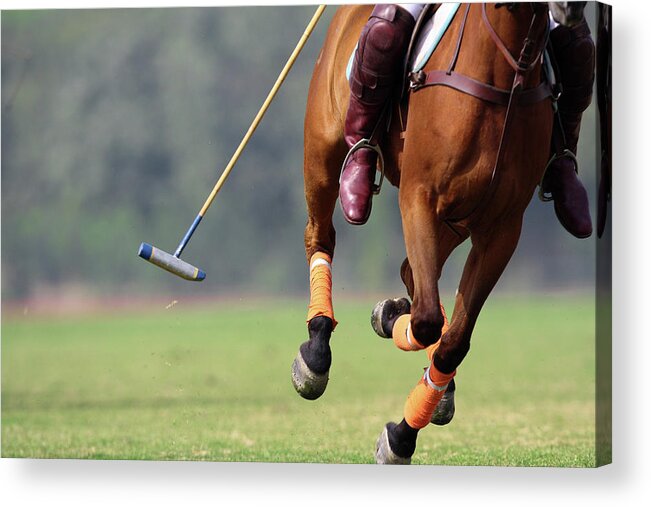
(117, 123)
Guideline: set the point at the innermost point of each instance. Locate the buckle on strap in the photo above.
(416, 79)
(365, 144)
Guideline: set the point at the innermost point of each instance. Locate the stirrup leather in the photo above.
(366, 144)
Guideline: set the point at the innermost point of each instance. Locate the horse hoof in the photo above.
(445, 409)
(383, 453)
(308, 384)
(384, 314)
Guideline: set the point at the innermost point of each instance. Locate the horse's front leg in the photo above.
(422, 233)
(387, 312)
(422, 327)
(321, 171)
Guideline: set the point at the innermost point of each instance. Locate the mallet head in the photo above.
(170, 263)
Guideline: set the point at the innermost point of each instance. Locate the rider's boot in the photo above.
(575, 56)
(376, 69)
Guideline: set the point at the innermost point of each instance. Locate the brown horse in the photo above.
(456, 180)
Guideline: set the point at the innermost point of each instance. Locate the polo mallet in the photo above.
(173, 263)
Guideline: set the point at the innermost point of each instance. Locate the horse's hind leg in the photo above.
(321, 169)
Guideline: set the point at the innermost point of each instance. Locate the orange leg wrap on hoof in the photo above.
(321, 288)
(402, 336)
(423, 399)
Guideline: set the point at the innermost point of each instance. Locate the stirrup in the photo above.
(547, 196)
(366, 144)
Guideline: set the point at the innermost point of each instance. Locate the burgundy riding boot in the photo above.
(376, 69)
(575, 56)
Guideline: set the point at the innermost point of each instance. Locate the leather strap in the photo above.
(428, 11)
(482, 91)
(455, 57)
(525, 63)
(497, 40)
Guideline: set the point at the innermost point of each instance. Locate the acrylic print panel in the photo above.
(116, 124)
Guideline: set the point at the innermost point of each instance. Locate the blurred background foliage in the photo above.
(116, 124)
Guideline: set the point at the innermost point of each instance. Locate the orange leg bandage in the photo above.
(321, 288)
(423, 399)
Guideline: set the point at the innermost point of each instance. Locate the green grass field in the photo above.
(213, 383)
